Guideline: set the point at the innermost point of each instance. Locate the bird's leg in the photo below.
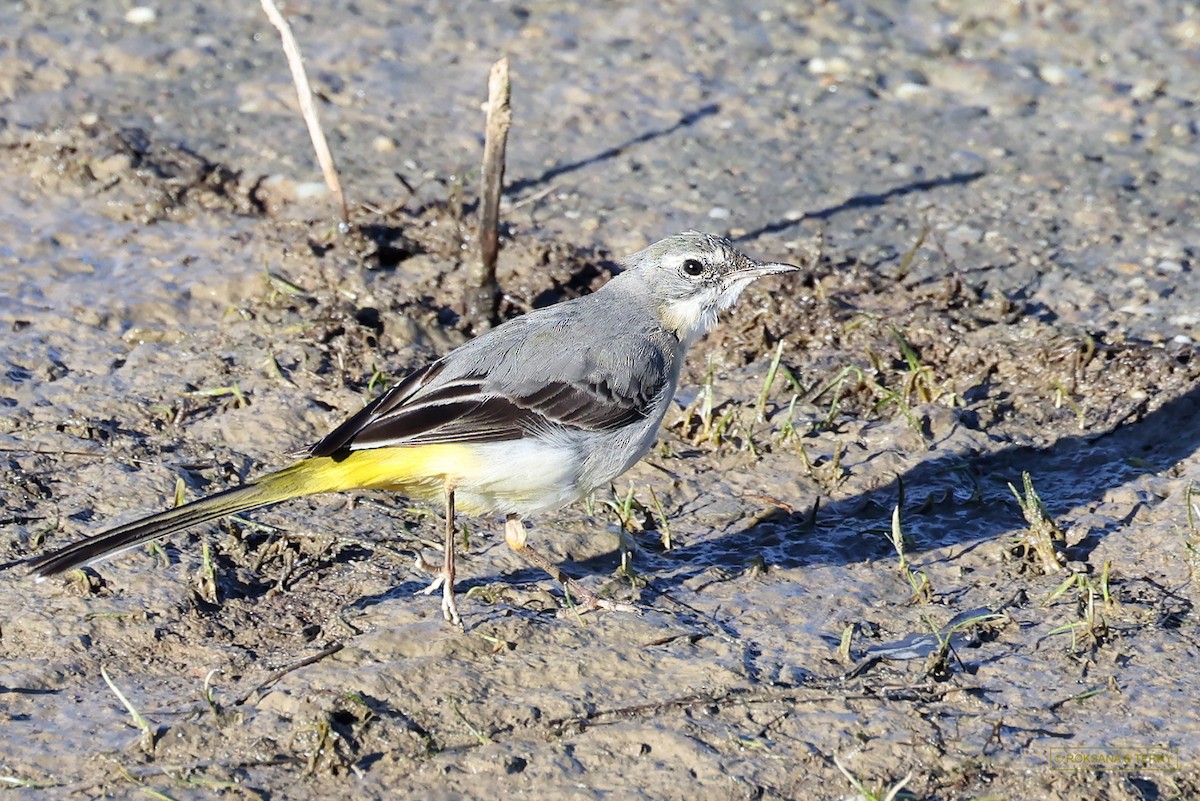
(449, 607)
(516, 536)
(445, 574)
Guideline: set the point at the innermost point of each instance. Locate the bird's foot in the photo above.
(449, 604)
(588, 601)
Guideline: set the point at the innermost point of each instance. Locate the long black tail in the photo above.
(267, 490)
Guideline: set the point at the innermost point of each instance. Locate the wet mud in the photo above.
(926, 513)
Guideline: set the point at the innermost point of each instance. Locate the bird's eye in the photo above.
(693, 267)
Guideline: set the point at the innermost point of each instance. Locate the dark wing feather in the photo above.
(489, 392)
(588, 406)
(491, 419)
(340, 438)
(463, 411)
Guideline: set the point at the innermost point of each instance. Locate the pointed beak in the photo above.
(771, 268)
(753, 270)
(757, 270)
(737, 280)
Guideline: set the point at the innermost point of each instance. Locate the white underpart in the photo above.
(524, 476)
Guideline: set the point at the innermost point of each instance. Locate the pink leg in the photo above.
(515, 535)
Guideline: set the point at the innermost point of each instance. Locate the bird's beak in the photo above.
(753, 270)
(737, 280)
(757, 270)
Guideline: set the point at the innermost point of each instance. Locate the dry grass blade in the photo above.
(1043, 534)
(1191, 535)
(921, 586)
(867, 794)
(760, 410)
(139, 720)
(308, 108)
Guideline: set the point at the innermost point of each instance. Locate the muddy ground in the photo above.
(995, 209)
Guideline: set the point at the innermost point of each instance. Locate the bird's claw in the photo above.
(449, 605)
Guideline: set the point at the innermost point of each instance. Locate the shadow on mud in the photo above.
(863, 201)
(1077, 470)
(685, 120)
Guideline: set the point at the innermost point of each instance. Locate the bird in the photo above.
(525, 418)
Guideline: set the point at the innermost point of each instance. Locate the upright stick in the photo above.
(483, 293)
(308, 108)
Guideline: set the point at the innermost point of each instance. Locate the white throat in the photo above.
(692, 318)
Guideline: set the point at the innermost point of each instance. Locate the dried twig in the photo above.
(308, 108)
(276, 675)
(483, 293)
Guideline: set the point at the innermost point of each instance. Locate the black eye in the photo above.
(693, 267)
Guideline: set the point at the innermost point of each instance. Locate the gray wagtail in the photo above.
(525, 418)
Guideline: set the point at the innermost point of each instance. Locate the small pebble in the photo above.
(1053, 74)
(909, 90)
(141, 15)
(829, 66)
(1147, 89)
(310, 189)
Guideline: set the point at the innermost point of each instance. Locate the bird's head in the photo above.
(692, 277)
